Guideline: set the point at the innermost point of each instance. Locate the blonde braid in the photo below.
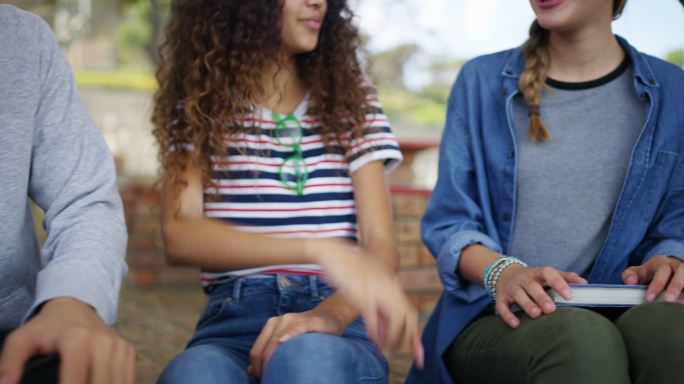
(533, 78)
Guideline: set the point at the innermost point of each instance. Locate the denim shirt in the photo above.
(474, 199)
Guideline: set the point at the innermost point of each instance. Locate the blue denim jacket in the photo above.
(474, 199)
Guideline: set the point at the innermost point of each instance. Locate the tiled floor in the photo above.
(159, 320)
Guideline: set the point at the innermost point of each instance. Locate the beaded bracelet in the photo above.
(491, 276)
(490, 268)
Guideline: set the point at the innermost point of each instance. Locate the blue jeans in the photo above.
(236, 313)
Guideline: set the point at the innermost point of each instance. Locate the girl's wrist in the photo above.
(491, 275)
(337, 307)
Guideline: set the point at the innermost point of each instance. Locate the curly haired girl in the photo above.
(274, 150)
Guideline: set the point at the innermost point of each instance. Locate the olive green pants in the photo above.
(642, 345)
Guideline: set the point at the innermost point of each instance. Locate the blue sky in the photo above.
(467, 28)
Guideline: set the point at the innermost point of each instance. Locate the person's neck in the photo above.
(283, 87)
(584, 55)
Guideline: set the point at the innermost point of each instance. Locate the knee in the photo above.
(584, 335)
(312, 351)
(579, 344)
(203, 364)
(309, 357)
(653, 325)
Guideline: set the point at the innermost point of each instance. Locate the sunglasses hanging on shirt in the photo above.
(293, 172)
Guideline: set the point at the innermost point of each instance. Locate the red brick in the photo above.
(145, 210)
(415, 300)
(406, 205)
(145, 260)
(420, 280)
(144, 276)
(141, 244)
(425, 258)
(176, 275)
(428, 302)
(146, 225)
(408, 256)
(407, 231)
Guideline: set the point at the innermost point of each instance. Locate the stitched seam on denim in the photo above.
(363, 344)
(216, 315)
(374, 378)
(237, 289)
(313, 284)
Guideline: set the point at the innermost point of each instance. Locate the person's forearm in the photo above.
(338, 305)
(474, 261)
(383, 250)
(214, 245)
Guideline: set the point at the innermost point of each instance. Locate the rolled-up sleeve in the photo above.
(448, 259)
(453, 219)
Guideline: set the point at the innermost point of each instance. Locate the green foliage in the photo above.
(676, 57)
(414, 110)
(133, 34)
(141, 33)
(388, 66)
(117, 79)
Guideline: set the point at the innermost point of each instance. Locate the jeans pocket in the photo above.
(213, 310)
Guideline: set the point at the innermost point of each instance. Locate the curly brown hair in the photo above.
(212, 67)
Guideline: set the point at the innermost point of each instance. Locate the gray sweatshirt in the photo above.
(51, 152)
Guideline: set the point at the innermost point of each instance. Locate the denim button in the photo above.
(506, 217)
(510, 154)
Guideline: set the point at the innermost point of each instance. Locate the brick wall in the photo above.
(417, 272)
(145, 254)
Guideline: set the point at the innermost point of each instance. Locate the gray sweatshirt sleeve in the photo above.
(74, 180)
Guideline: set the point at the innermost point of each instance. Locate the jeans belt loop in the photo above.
(237, 288)
(313, 283)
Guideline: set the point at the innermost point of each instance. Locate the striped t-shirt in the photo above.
(252, 196)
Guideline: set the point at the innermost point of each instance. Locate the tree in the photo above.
(676, 57)
(157, 14)
(389, 66)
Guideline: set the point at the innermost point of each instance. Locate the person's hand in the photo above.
(280, 329)
(661, 273)
(525, 287)
(89, 350)
(391, 319)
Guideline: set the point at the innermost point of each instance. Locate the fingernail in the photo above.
(650, 297)
(670, 297)
(548, 307)
(284, 338)
(567, 293)
(535, 312)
